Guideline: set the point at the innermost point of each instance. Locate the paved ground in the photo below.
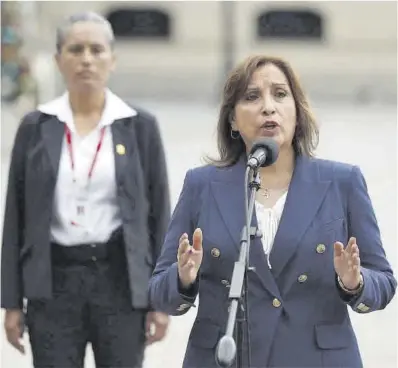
(364, 135)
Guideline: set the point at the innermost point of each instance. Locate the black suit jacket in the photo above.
(143, 193)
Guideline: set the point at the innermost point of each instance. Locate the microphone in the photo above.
(264, 152)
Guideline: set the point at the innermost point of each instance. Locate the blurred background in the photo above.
(173, 58)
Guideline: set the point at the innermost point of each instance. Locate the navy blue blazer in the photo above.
(298, 316)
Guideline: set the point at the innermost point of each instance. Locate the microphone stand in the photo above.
(227, 350)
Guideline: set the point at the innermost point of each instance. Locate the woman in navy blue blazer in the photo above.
(320, 251)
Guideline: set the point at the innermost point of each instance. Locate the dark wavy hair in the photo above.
(306, 136)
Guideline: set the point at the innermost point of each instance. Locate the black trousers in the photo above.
(91, 303)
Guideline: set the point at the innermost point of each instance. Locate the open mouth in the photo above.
(269, 125)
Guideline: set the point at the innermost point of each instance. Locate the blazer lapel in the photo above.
(304, 198)
(228, 192)
(121, 145)
(52, 131)
(227, 188)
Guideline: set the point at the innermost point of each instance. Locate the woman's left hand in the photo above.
(156, 327)
(347, 263)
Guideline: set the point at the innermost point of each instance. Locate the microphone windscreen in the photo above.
(271, 148)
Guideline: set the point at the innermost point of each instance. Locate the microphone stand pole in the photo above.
(227, 350)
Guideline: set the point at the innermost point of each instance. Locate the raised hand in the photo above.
(189, 258)
(347, 263)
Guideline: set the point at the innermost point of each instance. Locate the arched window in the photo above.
(140, 23)
(290, 24)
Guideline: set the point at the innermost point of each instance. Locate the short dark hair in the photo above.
(306, 136)
(63, 29)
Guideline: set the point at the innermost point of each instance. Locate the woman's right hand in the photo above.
(13, 324)
(189, 258)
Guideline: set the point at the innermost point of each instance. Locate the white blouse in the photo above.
(102, 214)
(268, 222)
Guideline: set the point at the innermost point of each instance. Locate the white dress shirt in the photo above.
(268, 222)
(99, 199)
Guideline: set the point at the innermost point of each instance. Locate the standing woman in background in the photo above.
(85, 215)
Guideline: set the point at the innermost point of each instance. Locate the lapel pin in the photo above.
(120, 149)
(215, 252)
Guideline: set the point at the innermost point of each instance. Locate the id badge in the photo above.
(79, 209)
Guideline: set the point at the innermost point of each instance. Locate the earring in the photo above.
(234, 134)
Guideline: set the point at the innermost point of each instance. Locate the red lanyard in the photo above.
(68, 134)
